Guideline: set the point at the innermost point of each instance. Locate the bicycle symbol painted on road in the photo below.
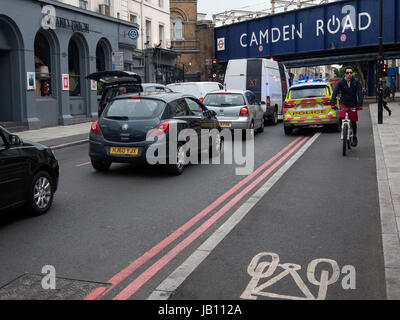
(266, 269)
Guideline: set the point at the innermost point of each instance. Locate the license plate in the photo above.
(225, 124)
(307, 106)
(124, 150)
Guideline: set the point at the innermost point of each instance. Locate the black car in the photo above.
(112, 81)
(130, 125)
(28, 174)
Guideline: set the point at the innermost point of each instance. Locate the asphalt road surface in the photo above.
(304, 225)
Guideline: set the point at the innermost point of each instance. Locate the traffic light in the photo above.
(379, 68)
(384, 70)
(214, 68)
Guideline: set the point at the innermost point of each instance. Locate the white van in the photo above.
(197, 89)
(269, 81)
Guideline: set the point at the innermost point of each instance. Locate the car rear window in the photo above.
(114, 91)
(308, 92)
(134, 109)
(224, 99)
(185, 88)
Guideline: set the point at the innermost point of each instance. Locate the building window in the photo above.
(74, 69)
(148, 31)
(42, 66)
(133, 18)
(83, 4)
(176, 29)
(161, 35)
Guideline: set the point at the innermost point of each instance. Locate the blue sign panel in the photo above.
(338, 25)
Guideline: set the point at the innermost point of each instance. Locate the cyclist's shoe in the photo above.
(354, 142)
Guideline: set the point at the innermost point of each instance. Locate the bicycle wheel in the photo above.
(344, 140)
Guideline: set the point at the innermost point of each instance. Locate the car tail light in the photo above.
(268, 101)
(135, 97)
(161, 129)
(201, 99)
(244, 110)
(95, 128)
(287, 105)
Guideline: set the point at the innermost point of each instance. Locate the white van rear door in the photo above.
(235, 75)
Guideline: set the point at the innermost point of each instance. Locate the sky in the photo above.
(218, 6)
(214, 6)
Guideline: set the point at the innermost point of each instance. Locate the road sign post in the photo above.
(381, 63)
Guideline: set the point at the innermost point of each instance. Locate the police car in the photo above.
(308, 104)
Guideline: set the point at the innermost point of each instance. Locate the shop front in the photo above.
(47, 49)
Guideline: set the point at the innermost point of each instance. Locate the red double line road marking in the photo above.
(151, 271)
(82, 164)
(122, 275)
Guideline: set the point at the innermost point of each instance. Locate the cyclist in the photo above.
(351, 97)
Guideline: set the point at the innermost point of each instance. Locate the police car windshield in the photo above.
(224, 99)
(308, 92)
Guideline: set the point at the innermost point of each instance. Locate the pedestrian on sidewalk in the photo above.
(386, 97)
(393, 89)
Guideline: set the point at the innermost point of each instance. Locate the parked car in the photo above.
(120, 133)
(236, 109)
(28, 174)
(155, 87)
(112, 81)
(309, 104)
(197, 89)
(269, 80)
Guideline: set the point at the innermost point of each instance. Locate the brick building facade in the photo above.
(193, 38)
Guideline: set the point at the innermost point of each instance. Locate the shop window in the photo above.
(74, 69)
(42, 66)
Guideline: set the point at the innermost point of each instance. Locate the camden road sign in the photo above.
(338, 25)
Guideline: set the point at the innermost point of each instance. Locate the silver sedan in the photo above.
(236, 109)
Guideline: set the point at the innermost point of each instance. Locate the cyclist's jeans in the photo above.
(354, 125)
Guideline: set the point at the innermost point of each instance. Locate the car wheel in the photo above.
(261, 129)
(41, 194)
(177, 168)
(216, 147)
(244, 135)
(101, 165)
(274, 119)
(288, 130)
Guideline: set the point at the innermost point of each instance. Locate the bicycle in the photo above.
(346, 133)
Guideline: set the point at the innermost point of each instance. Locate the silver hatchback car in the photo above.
(236, 109)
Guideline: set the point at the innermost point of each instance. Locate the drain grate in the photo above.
(29, 287)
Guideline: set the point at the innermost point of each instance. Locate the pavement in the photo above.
(387, 153)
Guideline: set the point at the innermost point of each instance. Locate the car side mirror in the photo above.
(212, 113)
(15, 140)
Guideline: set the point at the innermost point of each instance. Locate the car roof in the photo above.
(186, 83)
(310, 84)
(229, 91)
(152, 84)
(165, 96)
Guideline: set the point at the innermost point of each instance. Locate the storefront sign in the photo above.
(72, 24)
(133, 34)
(30, 81)
(65, 82)
(51, 21)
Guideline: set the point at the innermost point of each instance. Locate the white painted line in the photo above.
(69, 144)
(176, 278)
